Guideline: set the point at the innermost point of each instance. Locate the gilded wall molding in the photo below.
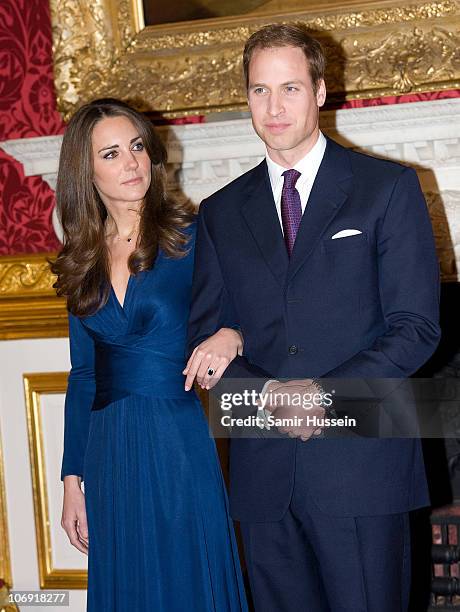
(36, 385)
(29, 307)
(323, 21)
(5, 561)
(101, 48)
(19, 277)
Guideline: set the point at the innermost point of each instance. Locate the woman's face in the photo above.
(122, 168)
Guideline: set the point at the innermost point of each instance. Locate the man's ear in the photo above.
(321, 93)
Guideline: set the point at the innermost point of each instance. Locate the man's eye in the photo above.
(291, 88)
(259, 90)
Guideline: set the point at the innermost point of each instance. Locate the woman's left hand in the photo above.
(210, 359)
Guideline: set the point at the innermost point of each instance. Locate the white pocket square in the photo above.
(345, 233)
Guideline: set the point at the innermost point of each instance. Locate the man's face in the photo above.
(282, 102)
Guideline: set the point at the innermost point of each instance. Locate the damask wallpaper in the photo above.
(416, 97)
(27, 109)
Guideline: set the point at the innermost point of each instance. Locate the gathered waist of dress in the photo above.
(121, 371)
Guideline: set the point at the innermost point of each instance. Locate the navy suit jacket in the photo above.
(364, 306)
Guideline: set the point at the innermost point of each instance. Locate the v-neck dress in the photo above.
(160, 536)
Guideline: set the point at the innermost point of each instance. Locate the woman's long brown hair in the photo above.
(82, 267)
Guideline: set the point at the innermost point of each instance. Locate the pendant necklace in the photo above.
(127, 239)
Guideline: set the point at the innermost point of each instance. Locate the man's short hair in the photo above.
(287, 35)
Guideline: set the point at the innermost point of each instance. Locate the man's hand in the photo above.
(214, 354)
(295, 399)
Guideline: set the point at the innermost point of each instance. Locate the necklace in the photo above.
(127, 239)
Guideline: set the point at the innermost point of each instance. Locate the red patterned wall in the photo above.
(403, 98)
(27, 108)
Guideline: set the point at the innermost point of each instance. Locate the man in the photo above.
(324, 258)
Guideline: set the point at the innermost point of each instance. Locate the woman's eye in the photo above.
(110, 155)
(138, 146)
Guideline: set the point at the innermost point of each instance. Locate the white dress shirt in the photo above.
(308, 167)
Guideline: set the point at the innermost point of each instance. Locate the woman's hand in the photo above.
(74, 514)
(213, 354)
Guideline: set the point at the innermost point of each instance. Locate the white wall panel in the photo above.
(16, 358)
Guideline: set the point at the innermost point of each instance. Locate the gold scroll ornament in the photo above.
(102, 48)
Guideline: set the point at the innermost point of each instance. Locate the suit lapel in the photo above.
(259, 211)
(330, 190)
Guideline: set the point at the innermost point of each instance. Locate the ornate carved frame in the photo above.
(375, 48)
(29, 307)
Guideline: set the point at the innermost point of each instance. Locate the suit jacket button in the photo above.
(293, 349)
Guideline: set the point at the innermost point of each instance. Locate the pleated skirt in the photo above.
(160, 536)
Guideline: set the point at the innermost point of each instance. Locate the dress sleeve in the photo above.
(79, 398)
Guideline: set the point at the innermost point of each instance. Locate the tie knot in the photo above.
(290, 178)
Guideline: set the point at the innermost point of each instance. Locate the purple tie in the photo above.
(291, 209)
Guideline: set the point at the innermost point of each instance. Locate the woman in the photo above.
(157, 530)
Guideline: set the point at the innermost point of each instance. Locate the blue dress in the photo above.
(160, 537)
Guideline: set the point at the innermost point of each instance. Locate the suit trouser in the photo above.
(313, 562)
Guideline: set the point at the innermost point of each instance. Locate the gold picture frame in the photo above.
(36, 385)
(374, 48)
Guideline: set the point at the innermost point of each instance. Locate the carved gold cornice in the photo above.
(29, 307)
(101, 48)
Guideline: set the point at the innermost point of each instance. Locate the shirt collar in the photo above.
(308, 166)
